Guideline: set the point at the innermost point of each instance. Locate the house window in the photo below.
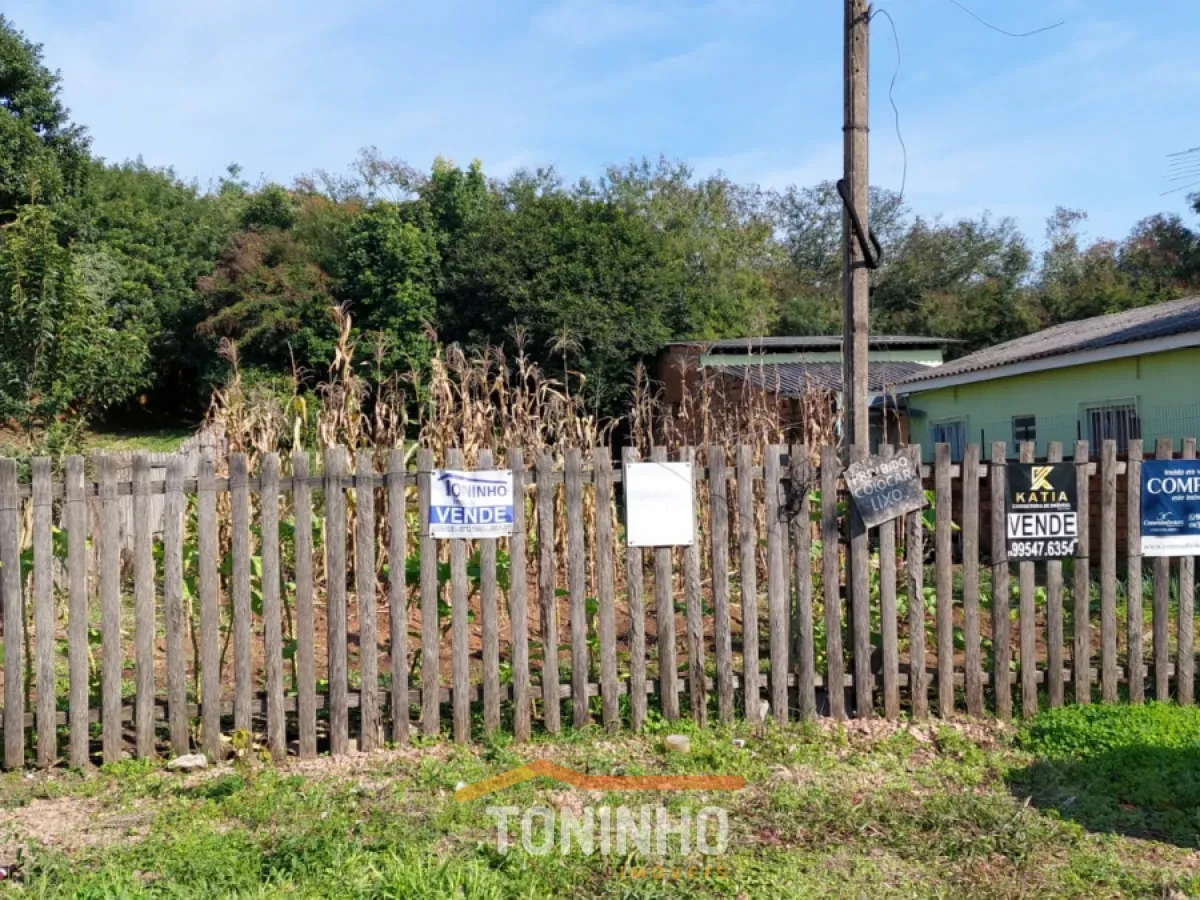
(1024, 428)
(953, 433)
(1113, 422)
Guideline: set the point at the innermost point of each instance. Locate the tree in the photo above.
(43, 155)
(388, 276)
(808, 284)
(964, 280)
(271, 299)
(60, 354)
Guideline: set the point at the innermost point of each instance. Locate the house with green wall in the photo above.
(1133, 374)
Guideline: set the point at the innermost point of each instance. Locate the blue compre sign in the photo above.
(1170, 507)
(471, 504)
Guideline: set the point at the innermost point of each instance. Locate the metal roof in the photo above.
(821, 342)
(1144, 323)
(797, 379)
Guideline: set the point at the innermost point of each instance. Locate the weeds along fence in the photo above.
(300, 606)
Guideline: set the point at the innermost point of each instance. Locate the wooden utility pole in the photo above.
(855, 285)
(855, 274)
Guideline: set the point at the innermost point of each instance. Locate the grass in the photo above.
(160, 440)
(1130, 770)
(871, 809)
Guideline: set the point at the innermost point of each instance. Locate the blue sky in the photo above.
(1082, 116)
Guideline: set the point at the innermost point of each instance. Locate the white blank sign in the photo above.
(659, 505)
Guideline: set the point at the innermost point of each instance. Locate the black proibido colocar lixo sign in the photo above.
(884, 489)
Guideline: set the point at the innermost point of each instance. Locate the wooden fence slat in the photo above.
(488, 621)
(335, 592)
(664, 593)
(272, 611)
(43, 614)
(306, 697)
(802, 620)
(397, 594)
(859, 587)
(76, 518)
(718, 511)
(173, 614)
(430, 589)
(888, 625)
(835, 675)
(111, 650)
(914, 567)
(1164, 449)
(1001, 625)
(1081, 656)
(697, 695)
(370, 727)
(1055, 690)
(1186, 667)
(972, 678)
(518, 609)
(13, 600)
(943, 517)
(606, 624)
(1133, 578)
(210, 610)
(239, 495)
(459, 634)
(144, 628)
(547, 592)
(777, 588)
(635, 592)
(748, 574)
(577, 586)
(1108, 572)
(1028, 612)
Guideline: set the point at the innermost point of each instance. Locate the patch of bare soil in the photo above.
(65, 824)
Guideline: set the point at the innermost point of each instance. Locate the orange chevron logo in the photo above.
(598, 782)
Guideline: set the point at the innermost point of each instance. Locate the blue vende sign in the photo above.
(1170, 507)
(471, 504)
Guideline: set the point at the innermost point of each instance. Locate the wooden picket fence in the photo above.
(771, 514)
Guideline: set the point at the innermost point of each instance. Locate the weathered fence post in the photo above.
(835, 674)
(943, 519)
(718, 515)
(43, 620)
(306, 690)
(1108, 572)
(335, 592)
(973, 676)
(398, 593)
(1133, 576)
(518, 611)
(777, 605)
(798, 508)
(488, 620)
(370, 729)
(272, 612)
(1054, 611)
(1001, 628)
(606, 624)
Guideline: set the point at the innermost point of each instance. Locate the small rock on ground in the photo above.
(190, 762)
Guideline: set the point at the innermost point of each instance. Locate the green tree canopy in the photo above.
(43, 155)
(60, 353)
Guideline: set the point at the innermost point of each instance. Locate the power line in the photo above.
(1014, 34)
(892, 99)
(1182, 187)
